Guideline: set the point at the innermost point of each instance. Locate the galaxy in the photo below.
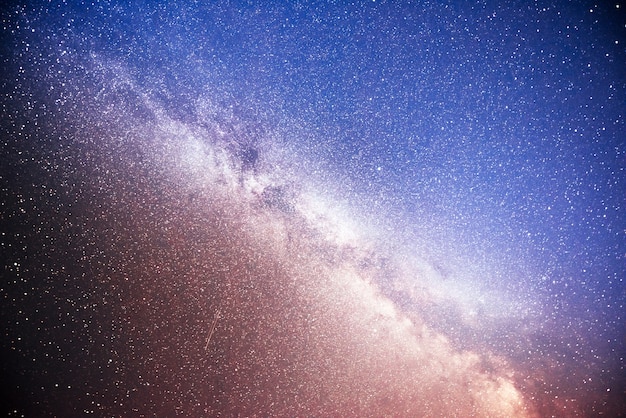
(313, 209)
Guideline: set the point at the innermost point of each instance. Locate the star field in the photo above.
(313, 209)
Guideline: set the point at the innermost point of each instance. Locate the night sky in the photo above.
(313, 209)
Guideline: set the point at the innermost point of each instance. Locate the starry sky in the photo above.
(377, 208)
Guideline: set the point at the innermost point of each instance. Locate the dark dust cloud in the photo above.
(313, 209)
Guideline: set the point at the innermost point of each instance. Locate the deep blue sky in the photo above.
(506, 119)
